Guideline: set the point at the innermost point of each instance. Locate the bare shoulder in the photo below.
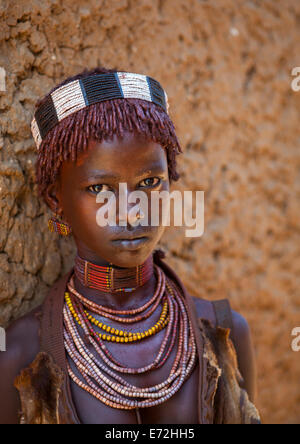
(22, 337)
(242, 341)
(22, 345)
(240, 325)
(205, 310)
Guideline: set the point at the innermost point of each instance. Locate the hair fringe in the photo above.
(101, 121)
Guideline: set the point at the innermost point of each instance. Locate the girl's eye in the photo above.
(98, 188)
(150, 182)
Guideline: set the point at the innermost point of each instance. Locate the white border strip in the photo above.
(36, 133)
(68, 99)
(134, 86)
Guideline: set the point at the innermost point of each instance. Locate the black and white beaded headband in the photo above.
(78, 94)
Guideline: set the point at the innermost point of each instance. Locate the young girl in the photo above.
(119, 339)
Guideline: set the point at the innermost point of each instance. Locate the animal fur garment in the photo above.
(224, 401)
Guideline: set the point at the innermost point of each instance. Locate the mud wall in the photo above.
(226, 66)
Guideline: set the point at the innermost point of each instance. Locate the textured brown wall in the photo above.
(227, 68)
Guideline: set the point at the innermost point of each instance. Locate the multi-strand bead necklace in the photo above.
(100, 373)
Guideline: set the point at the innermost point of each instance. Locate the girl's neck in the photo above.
(120, 300)
(104, 285)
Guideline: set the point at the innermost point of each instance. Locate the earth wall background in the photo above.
(226, 66)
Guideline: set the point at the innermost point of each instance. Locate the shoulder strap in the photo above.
(51, 333)
(52, 337)
(223, 313)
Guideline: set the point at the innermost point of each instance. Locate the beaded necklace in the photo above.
(100, 374)
(109, 279)
(128, 336)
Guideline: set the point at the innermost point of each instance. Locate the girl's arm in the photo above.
(242, 340)
(22, 345)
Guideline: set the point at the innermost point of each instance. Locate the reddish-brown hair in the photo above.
(101, 122)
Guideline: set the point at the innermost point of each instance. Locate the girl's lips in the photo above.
(130, 244)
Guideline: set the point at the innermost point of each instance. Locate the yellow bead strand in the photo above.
(121, 336)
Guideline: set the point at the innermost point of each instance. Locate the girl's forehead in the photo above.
(132, 156)
(133, 151)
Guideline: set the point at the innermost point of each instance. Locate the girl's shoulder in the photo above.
(22, 337)
(22, 345)
(218, 312)
(215, 314)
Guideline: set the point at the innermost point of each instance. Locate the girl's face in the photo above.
(133, 160)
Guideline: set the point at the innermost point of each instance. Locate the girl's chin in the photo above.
(130, 258)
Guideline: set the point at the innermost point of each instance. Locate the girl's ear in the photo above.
(52, 199)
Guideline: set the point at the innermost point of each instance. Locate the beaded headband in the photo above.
(78, 94)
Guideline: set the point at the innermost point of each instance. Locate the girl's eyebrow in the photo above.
(104, 175)
(156, 168)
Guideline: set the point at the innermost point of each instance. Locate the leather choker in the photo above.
(111, 279)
